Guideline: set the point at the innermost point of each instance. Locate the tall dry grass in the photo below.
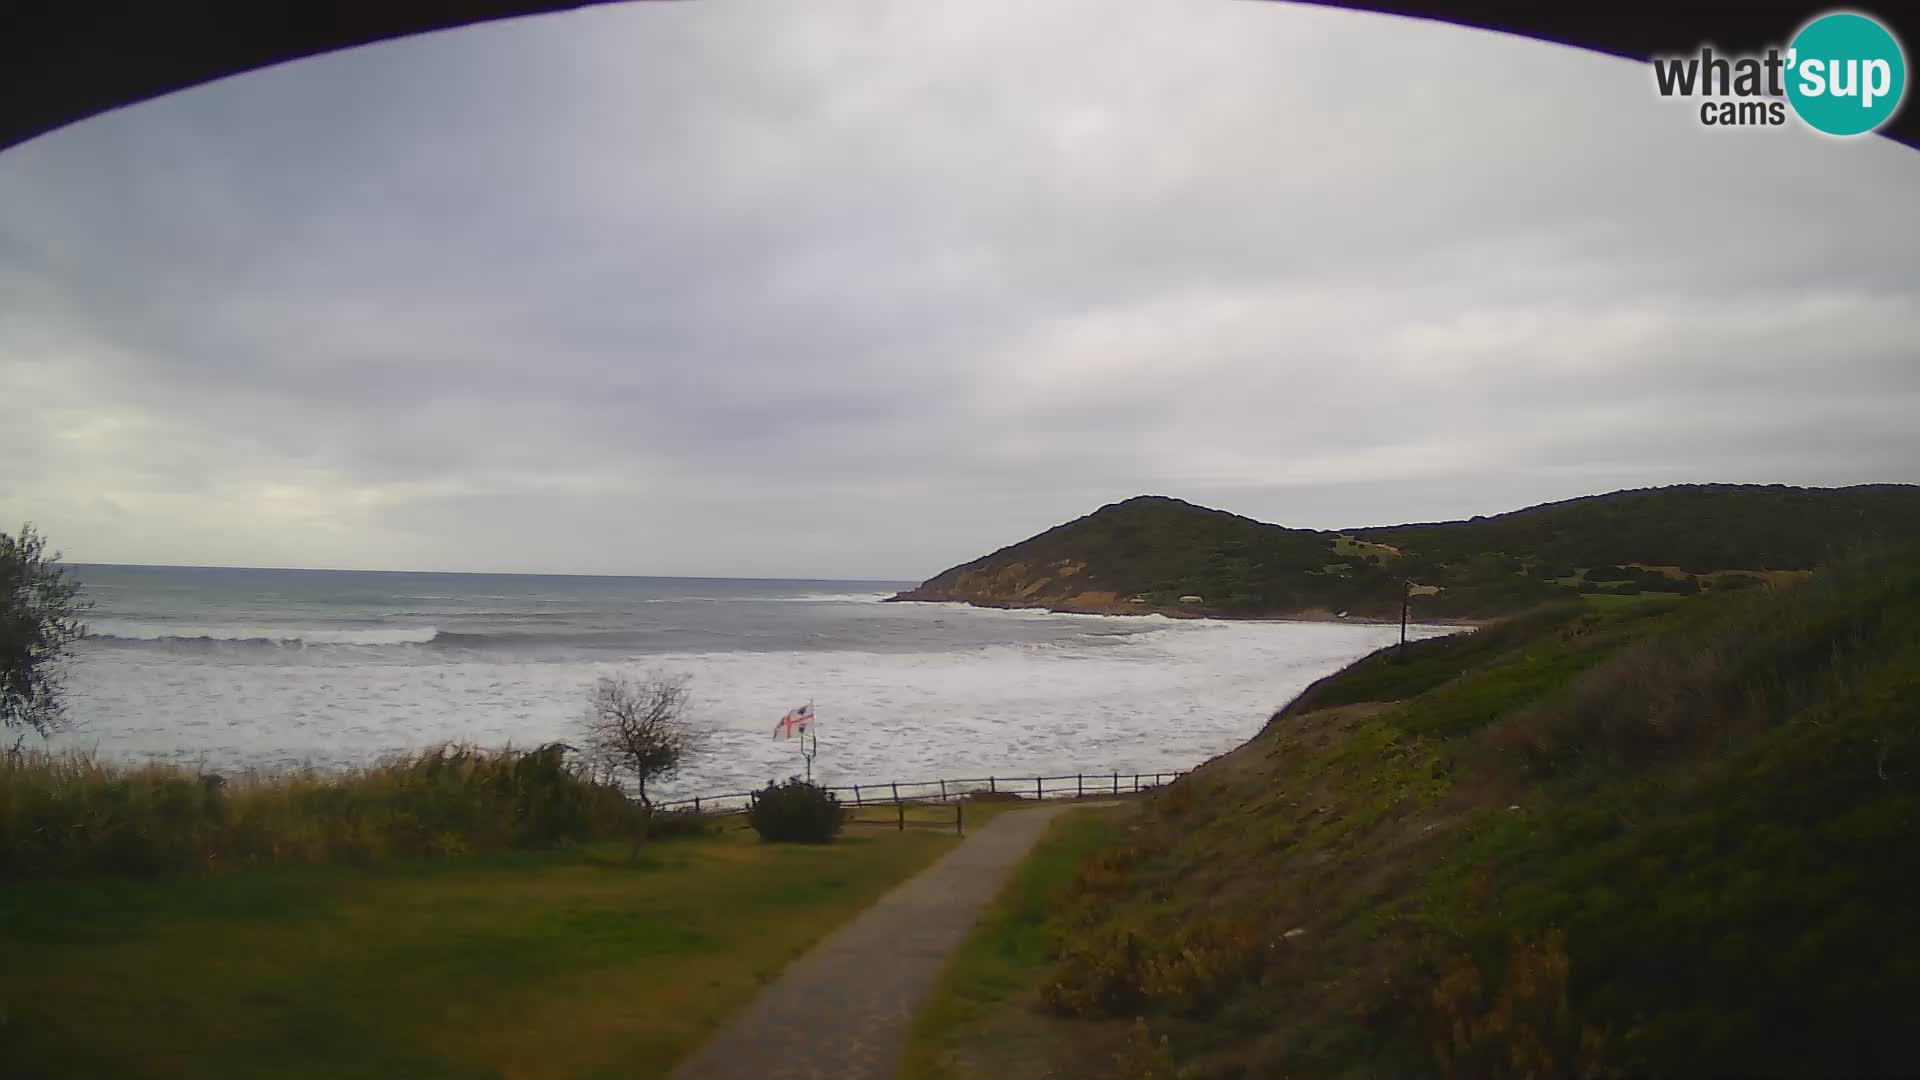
(75, 813)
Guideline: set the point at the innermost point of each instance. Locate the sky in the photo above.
(865, 289)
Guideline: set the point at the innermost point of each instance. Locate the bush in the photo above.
(40, 610)
(796, 812)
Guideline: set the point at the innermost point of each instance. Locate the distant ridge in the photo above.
(1155, 553)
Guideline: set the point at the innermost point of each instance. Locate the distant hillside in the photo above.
(1155, 549)
(1154, 553)
(1699, 528)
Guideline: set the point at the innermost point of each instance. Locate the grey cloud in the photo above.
(612, 290)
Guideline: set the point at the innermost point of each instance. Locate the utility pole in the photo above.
(1406, 594)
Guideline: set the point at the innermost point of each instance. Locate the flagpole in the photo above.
(810, 734)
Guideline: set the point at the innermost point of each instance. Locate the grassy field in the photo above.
(1001, 961)
(571, 963)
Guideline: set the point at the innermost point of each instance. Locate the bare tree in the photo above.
(637, 732)
(40, 610)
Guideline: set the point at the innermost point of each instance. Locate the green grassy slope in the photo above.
(1663, 840)
(1146, 553)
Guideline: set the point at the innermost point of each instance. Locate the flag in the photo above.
(796, 722)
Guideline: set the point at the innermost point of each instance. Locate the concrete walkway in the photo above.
(841, 1012)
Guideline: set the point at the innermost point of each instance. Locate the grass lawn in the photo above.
(562, 964)
(996, 969)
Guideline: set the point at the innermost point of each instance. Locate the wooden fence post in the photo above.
(1116, 783)
(943, 791)
(696, 804)
(896, 791)
(1038, 793)
(1080, 786)
(1136, 783)
(901, 808)
(856, 794)
(993, 785)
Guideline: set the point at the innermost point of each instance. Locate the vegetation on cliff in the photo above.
(1159, 549)
(1154, 553)
(1651, 840)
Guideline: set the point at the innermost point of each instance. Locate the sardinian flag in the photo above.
(796, 722)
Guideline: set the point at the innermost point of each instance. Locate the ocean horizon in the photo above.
(234, 668)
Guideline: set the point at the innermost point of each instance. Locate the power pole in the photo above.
(1406, 594)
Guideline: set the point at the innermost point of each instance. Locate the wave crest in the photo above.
(285, 637)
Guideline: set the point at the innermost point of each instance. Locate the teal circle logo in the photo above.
(1845, 74)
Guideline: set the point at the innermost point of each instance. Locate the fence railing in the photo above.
(1070, 786)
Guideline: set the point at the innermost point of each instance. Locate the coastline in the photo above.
(1304, 615)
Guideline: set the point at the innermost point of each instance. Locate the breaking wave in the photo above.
(280, 637)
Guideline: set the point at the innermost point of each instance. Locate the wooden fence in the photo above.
(901, 792)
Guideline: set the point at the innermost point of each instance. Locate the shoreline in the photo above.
(1305, 615)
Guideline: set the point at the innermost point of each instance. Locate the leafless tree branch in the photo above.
(637, 731)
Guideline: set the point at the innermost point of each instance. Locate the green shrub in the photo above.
(796, 812)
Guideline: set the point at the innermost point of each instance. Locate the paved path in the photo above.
(841, 1012)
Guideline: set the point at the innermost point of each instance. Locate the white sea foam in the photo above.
(1093, 702)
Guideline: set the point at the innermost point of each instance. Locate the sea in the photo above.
(241, 669)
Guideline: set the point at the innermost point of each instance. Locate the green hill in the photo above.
(1154, 553)
(1157, 549)
(1659, 840)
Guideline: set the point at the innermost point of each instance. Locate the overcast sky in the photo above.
(867, 289)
